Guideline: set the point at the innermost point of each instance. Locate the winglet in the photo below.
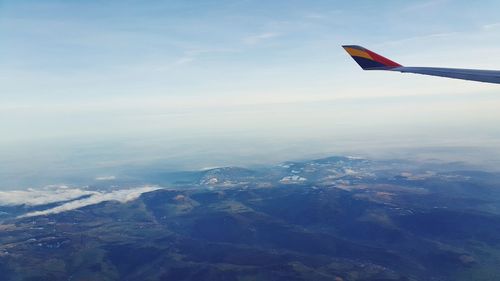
(369, 60)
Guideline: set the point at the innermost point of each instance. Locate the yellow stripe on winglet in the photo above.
(358, 53)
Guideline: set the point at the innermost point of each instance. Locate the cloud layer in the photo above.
(54, 194)
(47, 195)
(123, 196)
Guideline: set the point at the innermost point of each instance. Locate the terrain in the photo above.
(337, 218)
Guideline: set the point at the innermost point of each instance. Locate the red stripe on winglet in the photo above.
(382, 60)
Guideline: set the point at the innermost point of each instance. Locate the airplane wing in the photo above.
(369, 60)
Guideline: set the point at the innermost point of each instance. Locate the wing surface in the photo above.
(369, 60)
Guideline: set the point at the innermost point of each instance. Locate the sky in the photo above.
(86, 86)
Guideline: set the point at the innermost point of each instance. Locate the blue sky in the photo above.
(250, 73)
(97, 51)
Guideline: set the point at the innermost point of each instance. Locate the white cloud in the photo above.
(426, 5)
(255, 39)
(184, 60)
(425, 38)
(124, 195)
(34, 197)
(293, 179)
(491, 26)
(314, 16)
(105, 178)
(54, 194)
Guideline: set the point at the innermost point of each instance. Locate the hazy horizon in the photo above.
(87, 87)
